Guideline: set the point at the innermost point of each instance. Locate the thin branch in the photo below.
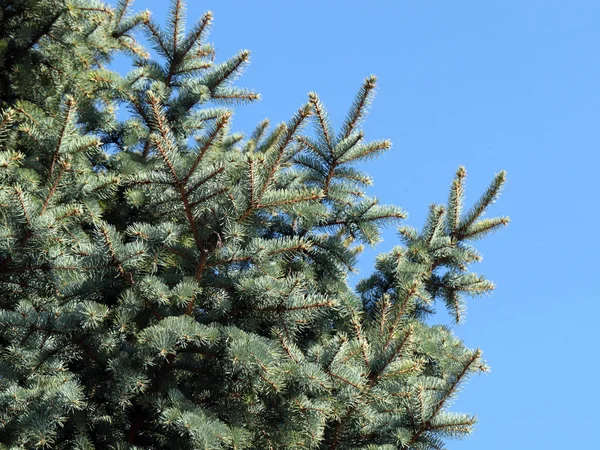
(70, 104)
(360, 106)
(220, 125)
(205, 180)
(426, 426)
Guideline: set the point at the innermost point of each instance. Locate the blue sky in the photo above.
(509, 85)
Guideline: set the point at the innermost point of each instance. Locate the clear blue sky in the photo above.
(509, 85)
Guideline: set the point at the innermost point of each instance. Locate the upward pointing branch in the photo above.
(456, 200)
(70, 107)
(282, 145)
(489, 196)
(177, 183)
(451, 390)
(198, 32)
(176, 18)
(360, 105)
(323, 120)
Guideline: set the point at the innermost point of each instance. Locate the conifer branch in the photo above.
(385, 306)
(341, 378)
(92, 9)
(205, 179)
(483, 227)
(69, 109)
(19, 193)
(434, 222)
(323, 120)
(490, 195)
(260, 131)
(113, 255)
(292, 128)
(44, 31)
(365, 151)
(208, 197)
(285, 347)
(399, 316)
(291, 201)
(163, 152)
(241, 59)
(450, 391)
(223, 72)
(116, 181)
(190, 69)
(53, 188)
(454, 303)
(306, 142)
(282, 309)
(220, 125)
(252, 205)
(122, 8)
(197, 34)
(249, 96)
(156, 34)
(374, 376)
(178, 184)
(455, 202)
(360, 104)
(176, 13)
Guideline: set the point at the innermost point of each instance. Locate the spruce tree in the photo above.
(166, 282)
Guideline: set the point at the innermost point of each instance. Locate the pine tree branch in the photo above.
(242, 58)
(358, 109)
(121, 10)
(252, 204)
(156, 34)
(303, 140)
(323, 122)
(399, 316)
(92, 9)
(328, 178)
(265, 378)
(455, 202)
(348, 382)
(374, 376)
(436, 215)
(204, 180)
(19, 193)
(176, 18)
(296, 248)
(114, 258)
(220, 125)
(250, 96)
(43, 31)
(285, 347)
(205, 22)
(427, 424)
(291, 201)
(482, 204)
(297, 122)
(260, 131)
(189, 69)
(116, 181)
(282, 309)
(178, 184)
(53, 189)
(70, 106)
(208, 197)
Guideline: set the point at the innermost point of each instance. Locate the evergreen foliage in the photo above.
(166, 282)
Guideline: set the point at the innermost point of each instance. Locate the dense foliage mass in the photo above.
(168, 283)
